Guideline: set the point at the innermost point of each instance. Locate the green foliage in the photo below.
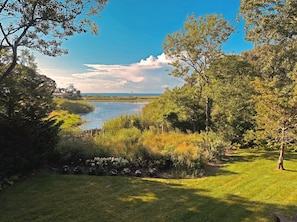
(269, 20)
(232, 95)
(73, 149)
(120, 143)
(181, 150)
(154, 115)
(123, 121)
(42, 26)
(27, 135)
(272, 24)
(129, 138)
(67, 110)
(197, 46)
(276, 113)
(76, 107)
(176, 109)
(194, 49)
(213, 145)
(68, 120)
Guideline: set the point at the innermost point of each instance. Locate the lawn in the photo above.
(247, 188)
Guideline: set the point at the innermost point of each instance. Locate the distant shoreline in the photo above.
(120, 97)
(121, 94)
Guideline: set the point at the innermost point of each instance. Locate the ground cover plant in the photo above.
(246, 188)
(74, 106)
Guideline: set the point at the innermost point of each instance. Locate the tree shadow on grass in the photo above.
(114, 199)
(254, 154)
(160, 201)
(216, 170)
(243, 158)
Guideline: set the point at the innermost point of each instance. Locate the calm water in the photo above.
(108, 110)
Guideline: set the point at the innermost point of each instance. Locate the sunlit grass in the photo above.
(248, 188)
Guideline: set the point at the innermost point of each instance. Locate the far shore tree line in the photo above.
(246, 100)
(69, 92)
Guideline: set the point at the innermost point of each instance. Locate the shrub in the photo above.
(122, 122)
(107, 165)
(176, 151)
(72, 149)
(213, 145)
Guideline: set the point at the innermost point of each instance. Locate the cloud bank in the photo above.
(149, 75)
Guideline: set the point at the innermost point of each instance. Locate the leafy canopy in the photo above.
(269, 20)
(42, 25)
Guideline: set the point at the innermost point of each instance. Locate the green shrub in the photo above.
(213, 145)
(72, 149)
(122, 122)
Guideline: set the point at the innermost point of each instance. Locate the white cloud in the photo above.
(147, 75)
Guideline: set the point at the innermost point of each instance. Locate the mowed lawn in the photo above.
(247, 188)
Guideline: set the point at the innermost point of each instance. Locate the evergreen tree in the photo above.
(27, 137)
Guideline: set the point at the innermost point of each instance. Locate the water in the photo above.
(109, 110)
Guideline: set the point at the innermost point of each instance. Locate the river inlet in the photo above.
(108, 110)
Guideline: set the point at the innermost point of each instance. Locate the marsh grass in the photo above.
(247, 188)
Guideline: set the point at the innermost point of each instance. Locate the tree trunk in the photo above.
(207, 115)
(11, 66)
(281, 159)
(282, 151)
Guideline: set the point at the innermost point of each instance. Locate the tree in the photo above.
(276, 115)
(193, 49)
(232, 92)
(275, 100)
(269, 20)
(27, 136)
(190, 113)
(69, 92)
(272, 25)
(42, 25)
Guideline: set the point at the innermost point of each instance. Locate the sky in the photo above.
(127, 54)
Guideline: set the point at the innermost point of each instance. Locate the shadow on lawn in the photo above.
(252, 155)
(158, 201)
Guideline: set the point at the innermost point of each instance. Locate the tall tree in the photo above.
(276, 103)
(194, 48)
(42, 25)
(272, 25)
(276, 115)
(232, 91)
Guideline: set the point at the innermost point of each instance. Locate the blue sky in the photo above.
(127, 55)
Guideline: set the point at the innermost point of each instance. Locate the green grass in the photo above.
(74, 106)
(247, 188)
